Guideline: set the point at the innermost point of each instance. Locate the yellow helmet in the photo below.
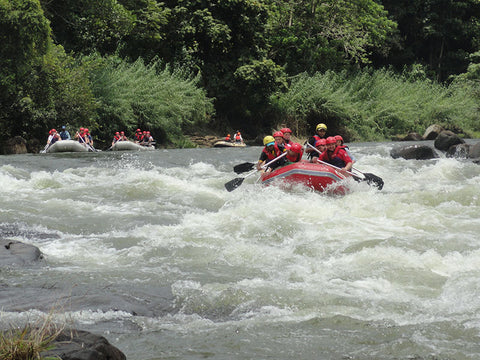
(321, 126)
(268, 140)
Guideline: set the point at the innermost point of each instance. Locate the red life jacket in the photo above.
(276, 152)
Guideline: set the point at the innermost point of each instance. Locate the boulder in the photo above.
(417, 152)
(82, 345)
(432, 132)
(17, 253)
(458, 151)
(474, 152)
(15, 145)
(446, 139)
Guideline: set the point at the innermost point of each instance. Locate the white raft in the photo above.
(66, 146)
(130, 146)
(223, 143)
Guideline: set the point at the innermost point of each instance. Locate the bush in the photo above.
(153, 97)
(377, 104)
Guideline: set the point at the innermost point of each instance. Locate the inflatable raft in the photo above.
(130, 146)
(319, 177)
(228, 144)
(66, 146)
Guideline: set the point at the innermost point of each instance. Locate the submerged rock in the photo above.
(17, 253)
(417, 152)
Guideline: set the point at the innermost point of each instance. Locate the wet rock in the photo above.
(17, 253)
(83, 345)
(417, 152)
(460, 151)
(15, 145)
(446, 139)
(474, 152)
(432, 132)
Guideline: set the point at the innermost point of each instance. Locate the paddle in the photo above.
(235, 183)
(90, 147)
(45, 149)
(370, 178)
(244, 167)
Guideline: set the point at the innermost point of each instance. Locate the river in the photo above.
(149, 250)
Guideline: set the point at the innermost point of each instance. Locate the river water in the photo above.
(149, 250)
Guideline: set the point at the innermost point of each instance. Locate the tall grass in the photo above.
(27, 342)
(153, 97)
(377, 104)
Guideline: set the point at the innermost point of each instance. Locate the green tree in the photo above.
(439, 34)
(318, 35)
(86, 26)
(25, 39)
(147, 38)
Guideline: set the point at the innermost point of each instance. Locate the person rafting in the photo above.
(287, 133)
(269, 153)
(335, 155)
(294, 153)
(64, 134)
(228, 138)
(123, 137)
(116, 138)
(138, 136)
(278, 136)
(340, 143)
(321, 132)
(53, 137)
(147, 139)
(321, 146)
(238, 137)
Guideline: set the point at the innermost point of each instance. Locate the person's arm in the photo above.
(344, 156)
(308, 149)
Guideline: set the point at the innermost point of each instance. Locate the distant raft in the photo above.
(66, 146)
(223, 143)
(130, 146)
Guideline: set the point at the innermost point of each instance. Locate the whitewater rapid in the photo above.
(150, 250)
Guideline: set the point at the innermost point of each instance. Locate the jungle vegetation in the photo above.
(371, 68)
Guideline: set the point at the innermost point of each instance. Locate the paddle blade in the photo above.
(233, 184)
(374, 180)
(241, 168)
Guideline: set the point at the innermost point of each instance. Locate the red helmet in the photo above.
(81, 129)
(331, 140)
(296, 148)
(53, 130)
(286, 130)
(148, 132)
(338, 137)
(122, 132)
(117, 133)
(86, 130)
(138, 130)
(278, 134)
(320, 142)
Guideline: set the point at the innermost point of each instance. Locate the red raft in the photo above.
(319, 177)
